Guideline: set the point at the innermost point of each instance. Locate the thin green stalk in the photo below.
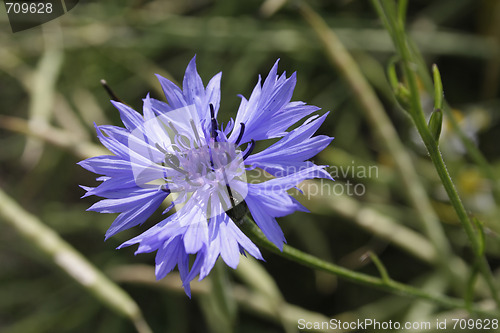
(380, 267)
(388, 136)
(417, 114)
(474, 153)
(402, 6)
(386, 284)
(55, 136)
(46, 241)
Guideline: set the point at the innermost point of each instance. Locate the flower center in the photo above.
(214, 165)
(178, 153)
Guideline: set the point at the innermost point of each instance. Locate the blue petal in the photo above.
(166, 257)
(173, 93)
(290, 114)
(113, 184)
(289, 181)
(113, 145)
(195, 268)
(124, 204)
(183, 265)
(193, 88)
(243, 240)
(213, 250)
(106, 165)
(117, 193)
(135, 216)
(266, 222)
(159, 107)
(148, 240)
(277, 203)
(295, 147)
(269, 113)
(212, 95)
(130, 118)
(196, 236)
(147, 108)
(136, 146)
(128, 146)
(228, 246)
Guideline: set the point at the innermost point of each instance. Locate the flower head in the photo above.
(178, 150)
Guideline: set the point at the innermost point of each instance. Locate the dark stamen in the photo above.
(229, 192)
(249, 150)
(240, 136)
(214, 122)
(110, 92)
(213, 133)
(231, 198)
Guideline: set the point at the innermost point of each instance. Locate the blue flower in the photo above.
(179, 151)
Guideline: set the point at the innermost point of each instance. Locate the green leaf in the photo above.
(435, 124)
(438, 88)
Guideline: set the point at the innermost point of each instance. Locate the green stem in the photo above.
(386, 284)
(380, 266)
(48, 242)
(388, 136)
(471, 148)
(417, 114)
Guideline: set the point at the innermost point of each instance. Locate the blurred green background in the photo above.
(49, 87)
